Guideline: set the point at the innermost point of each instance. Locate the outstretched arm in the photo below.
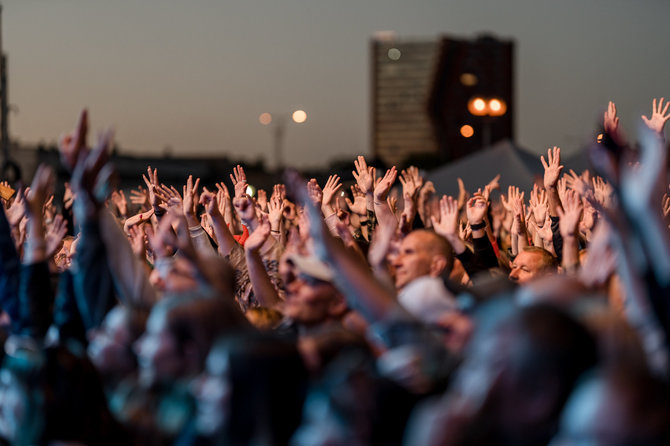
(552, 172)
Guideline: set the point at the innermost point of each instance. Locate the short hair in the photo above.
(438, 245)
(549, 262)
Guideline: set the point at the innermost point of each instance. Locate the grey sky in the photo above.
(196, 74)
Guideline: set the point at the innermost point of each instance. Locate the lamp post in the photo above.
(279, 122)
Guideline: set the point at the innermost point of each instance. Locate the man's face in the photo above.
(526, 266)
(308, 300)
(414, 260)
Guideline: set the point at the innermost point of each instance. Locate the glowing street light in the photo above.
(480, 106)
(299, 116)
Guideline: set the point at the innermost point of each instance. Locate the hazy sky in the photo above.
(195, 75)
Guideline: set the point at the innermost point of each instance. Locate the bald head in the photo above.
(422, 253)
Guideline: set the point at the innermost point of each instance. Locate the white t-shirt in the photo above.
(426, 298)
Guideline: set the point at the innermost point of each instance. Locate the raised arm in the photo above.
(552, 172)
(382, 209)
(569, 227)
(223, 236)
(264, 290)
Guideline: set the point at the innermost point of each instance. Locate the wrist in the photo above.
(478, 225)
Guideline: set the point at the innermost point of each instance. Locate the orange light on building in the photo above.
(467, 131)
(265, 118)
(477, 106)
(497, 107)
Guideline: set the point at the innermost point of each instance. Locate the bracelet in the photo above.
(274, 232)
(477, 226)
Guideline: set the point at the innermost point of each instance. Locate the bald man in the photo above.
(424, 257)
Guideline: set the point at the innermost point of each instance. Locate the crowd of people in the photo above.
(380, 313)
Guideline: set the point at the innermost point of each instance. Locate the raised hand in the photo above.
(364, 175)
(544, 231)
(190, 190)
(39, 191)
(538, 204)
(384, 186)
(552, 168)
(519, 216)
(239, 179)
(259, 235)
(465, 231)
(603, 192)
(513, 194)
(209, 201)
(358, 206)
(54, 235)
(476, 209)
(315, 192)
(17, 210)
(262, 200)
(570, 215)
(279, 190)
(71, 145)
(410, 185)
(137, 237)
(244, 206)
(223, 197)
(610, 119)
(576, 183)
(139, 197)
(153, 188)
(492, 185)
(329, 190)
(416, 176)
(447, 224)
(275, 212)
(659, 116)
(119, 200)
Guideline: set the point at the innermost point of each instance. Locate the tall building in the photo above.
(402, 72)
(424, 97)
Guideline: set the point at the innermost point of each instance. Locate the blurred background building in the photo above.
(434, 101)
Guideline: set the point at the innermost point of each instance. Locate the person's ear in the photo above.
(438, 263)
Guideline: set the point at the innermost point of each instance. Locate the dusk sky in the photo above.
(195, 75)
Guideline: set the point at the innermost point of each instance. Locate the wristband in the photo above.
(477, 226)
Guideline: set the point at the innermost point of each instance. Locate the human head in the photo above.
(616, 407)
(63, 258)
(422, 253)
(519, 370)
(53, 395)
(179, 333)
(110, 345)
(532, 262)
(252, 389)
(311, 298)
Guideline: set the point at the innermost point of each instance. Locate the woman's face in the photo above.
(212, 393)
(157, 351)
